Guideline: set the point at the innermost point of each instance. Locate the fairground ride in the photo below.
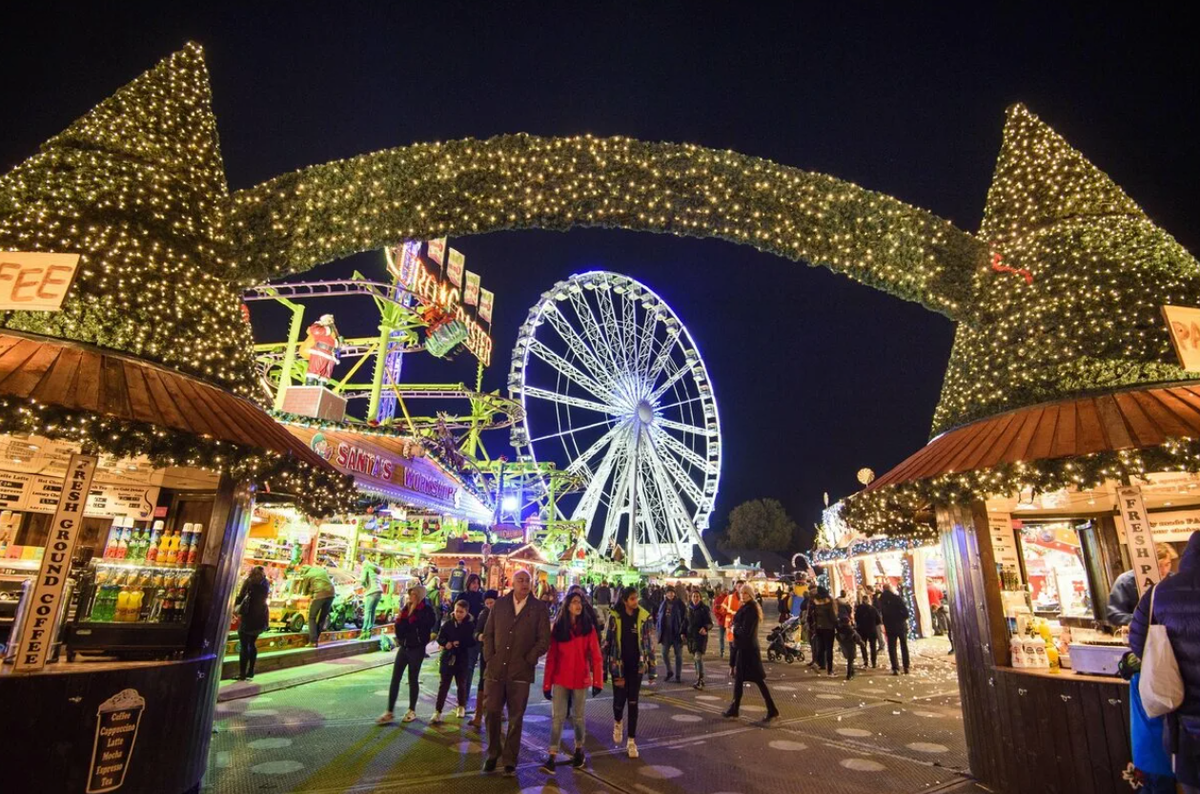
(610, 381)
(421, 308)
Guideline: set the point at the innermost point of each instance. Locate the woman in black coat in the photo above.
(748, 664)
(254, 617)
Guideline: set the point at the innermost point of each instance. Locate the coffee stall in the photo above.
(130, 455)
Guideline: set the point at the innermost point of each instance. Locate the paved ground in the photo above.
(875, 734)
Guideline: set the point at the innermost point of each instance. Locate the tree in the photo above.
(760, 524)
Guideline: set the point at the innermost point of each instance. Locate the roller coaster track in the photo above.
(329, 289)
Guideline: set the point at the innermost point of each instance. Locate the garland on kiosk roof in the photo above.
(318, 492)
(1070, 299)
(898, 510)
(137, 187)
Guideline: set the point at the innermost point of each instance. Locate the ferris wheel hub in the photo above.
(645, 412)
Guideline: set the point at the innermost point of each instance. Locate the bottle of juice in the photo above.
(95, 609)
(114, 536)
(123, 542)
(173, 548)
(122, 604)
(163, 546)
(155, 538)
(135, 546)
(193, 546)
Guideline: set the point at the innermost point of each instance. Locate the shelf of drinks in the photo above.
(137, 565)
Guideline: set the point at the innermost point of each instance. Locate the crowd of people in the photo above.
(603, 636)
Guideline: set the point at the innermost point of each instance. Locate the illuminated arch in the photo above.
(319, 214)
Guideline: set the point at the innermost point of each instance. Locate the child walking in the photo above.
(849, 641)
(456, 636)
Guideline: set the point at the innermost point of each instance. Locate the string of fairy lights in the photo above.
(1088, 317)
(136, 187)
(464, 187)
(1086, 320)
(1058, 294)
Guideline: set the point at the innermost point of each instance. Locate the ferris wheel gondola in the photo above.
(613, 386)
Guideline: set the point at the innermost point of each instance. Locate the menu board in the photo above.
(36, 493)
(1004, 543)
(12, 489)
(1176, 526)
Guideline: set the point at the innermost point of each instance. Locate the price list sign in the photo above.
(117, 722)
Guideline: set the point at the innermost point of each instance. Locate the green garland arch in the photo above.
(322, 213)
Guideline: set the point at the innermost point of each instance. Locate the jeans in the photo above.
(247, 652)
(721, 640)
(406, 659)
(825, 650)
(318, 613)
(560, 696)
(370, 604)
(900, 634)
(458, 674)
(514, 695)
(628, 694)
(698, 665)
(473, 654)
(675, 648)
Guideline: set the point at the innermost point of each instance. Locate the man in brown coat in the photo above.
(516, 635)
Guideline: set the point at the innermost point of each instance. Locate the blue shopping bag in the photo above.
(1146, 734)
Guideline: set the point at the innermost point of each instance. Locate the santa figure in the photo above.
(322, 344)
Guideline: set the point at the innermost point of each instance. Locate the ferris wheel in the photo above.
(616, 393)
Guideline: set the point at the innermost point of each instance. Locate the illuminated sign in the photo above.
(36, 282)
(430, 287)
(1184, 325)
(356, 460)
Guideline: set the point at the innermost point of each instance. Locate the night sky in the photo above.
(815, 376)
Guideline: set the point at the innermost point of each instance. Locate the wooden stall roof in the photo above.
(85, 378)
(1128, 419)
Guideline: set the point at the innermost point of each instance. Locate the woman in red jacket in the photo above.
(573, 663)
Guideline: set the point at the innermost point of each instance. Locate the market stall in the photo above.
(129, 455)
(1030, 572)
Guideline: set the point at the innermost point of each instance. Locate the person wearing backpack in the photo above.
(1175, 604)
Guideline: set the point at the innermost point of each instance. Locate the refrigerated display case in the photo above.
(137, 600)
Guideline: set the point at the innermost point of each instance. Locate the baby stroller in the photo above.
(783, 642)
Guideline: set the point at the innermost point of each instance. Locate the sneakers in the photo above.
(548, 765)
(631, 749)
(577, 759)
(618, 733)
(385, 718)
(435, 720)
(460, 712)
(698, 685)
(409, 716)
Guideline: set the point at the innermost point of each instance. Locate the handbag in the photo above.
(1161, 685)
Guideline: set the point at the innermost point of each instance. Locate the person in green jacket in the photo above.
(629, 653)
(315, 582)
(372, 592)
